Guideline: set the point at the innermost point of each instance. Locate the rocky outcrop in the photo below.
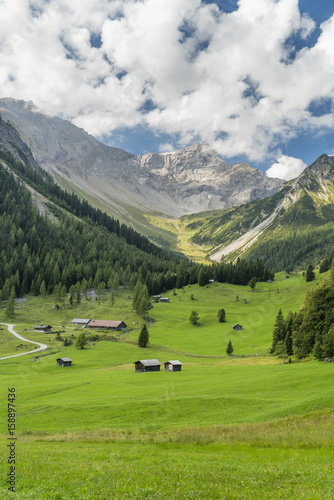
(11, 142)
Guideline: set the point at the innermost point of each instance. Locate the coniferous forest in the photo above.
(311, 329)
(66, 242)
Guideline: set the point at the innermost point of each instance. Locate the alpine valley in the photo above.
(190, 200)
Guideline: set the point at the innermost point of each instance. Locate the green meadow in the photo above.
(239, 427)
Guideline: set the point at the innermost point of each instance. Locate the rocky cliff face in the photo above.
(189, 180)
(11, 142)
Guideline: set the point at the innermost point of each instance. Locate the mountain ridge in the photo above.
(168, 184)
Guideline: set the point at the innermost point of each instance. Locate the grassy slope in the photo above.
(128, 215)
(107, 432)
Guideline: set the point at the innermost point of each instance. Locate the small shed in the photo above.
(156, 297)
(80, 322)
(147, 365)
(164, 299)
(64, 362)
(211, 281)
(106, 324)
(237, 327)
(43, 328)
(173, 366)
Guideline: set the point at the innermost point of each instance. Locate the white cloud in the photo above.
(286, 168)
(230, 79)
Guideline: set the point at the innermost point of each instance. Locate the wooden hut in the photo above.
(173, 366)
(164, 299)
(43, 328)
(80, 322)
(147, 365)
(64, 362)
(106, 324)
(237, 327)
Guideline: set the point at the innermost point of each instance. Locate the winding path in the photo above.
(11, 330)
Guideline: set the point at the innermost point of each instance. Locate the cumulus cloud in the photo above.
(286, 168)
(179, 67)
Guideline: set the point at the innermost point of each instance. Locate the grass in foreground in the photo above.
(243, 462)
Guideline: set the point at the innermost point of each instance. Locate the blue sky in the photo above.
(253, 78)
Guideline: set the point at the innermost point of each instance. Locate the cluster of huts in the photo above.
(101, 324)
(143, 365)
(153, 365)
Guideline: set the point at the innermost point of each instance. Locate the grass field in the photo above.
(238, 427)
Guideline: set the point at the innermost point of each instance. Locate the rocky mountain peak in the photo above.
(191, 179)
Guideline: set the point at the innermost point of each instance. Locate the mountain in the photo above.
(288, 229)
(11, 142)
(129, 186)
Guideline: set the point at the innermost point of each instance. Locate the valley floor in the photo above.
(241, 427)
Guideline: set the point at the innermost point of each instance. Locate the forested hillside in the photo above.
(42, 252)
(290, 229)
(311, 329)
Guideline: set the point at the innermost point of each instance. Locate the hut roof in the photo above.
(149, 362)
(42, 326)
(174, 362)
(76, 320)
(64, 359)
(105, 323)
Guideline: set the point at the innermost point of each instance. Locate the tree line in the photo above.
(310, 331)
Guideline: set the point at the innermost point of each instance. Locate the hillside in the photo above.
(291, 228)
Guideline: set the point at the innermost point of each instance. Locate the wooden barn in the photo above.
(103, 324)
(147, 365)
(64, 362)
(237, 327)
(80, 322)
(173, 366)
(43, 328)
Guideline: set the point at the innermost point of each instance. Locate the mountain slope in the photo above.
(287, 229)
(169, 185)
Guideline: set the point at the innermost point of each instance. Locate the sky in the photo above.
(254, 78)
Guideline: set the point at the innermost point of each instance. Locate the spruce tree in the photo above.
(310, 275)
(42, 290)
(288, 333)
(143, 336)
(317, 350)
(10, 310)
(279, 332)
(328, 343)
(229, 349)
(221, 316)
(252, 283)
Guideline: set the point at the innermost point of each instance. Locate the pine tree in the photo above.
(229, 349)
(288, 333)
(143, 336)
(252, 283)
(194, 318)
(279, 332)
(328, 343)
(310, 275)
(221, 316)
(10, 310)
(42, 290)
(317, 350)
(78, 292)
